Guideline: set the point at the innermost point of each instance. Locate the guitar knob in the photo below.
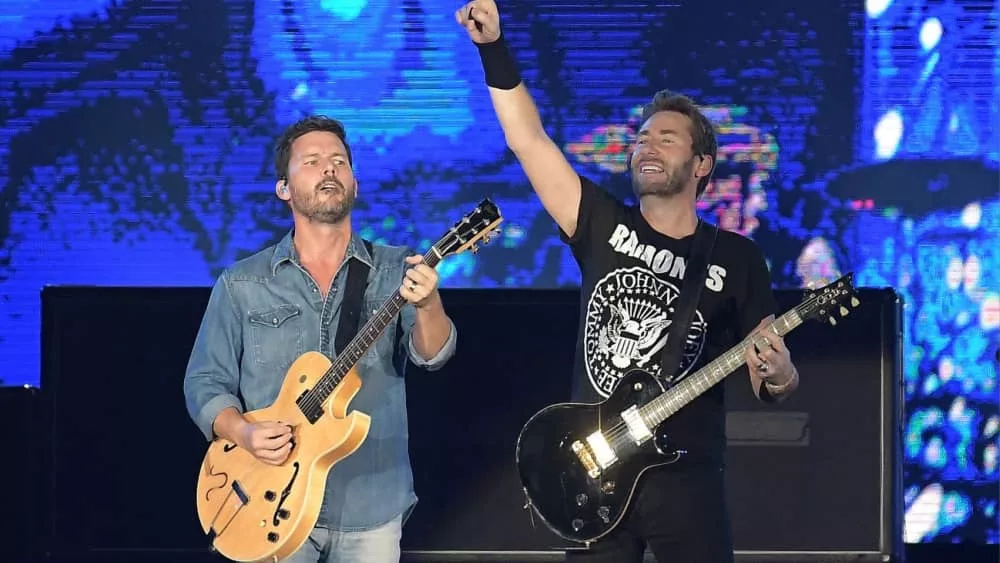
(581, 499)
(272, 537)
(603, 513)
(577, 524)
(283, 514)
(269, 496)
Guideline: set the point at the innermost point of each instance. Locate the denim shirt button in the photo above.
(274, 321)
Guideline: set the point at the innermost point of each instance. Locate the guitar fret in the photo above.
(357, 347)
(460, 237)
(661, 408)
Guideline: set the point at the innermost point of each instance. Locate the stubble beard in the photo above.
(317, 209)
(672, 185)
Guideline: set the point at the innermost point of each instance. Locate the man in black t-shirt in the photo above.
(633, 260)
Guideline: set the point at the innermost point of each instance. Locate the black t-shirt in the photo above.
(630, 274)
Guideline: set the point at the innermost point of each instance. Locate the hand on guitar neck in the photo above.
(270, 442)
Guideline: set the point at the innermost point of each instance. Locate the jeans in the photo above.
(378, 545)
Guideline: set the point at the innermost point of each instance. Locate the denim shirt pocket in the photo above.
(276, 335)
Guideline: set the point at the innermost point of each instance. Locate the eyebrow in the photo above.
(662, 132)
(316, 153)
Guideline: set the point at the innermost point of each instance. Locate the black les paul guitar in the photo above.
(579, 463)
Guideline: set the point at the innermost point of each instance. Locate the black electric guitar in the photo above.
(579, 463)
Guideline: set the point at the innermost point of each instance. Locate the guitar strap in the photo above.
(684, 306)
(354, 297)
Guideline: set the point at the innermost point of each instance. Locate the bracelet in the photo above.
(778, 389)
(498, 65)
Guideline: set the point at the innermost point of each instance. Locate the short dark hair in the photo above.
(703, 141)
(283, 151)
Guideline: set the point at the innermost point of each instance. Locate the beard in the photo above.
(328, 206)
(672, 183)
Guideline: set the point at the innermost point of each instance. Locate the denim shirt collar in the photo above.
(284, 251)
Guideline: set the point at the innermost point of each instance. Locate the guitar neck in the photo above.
(664, 406)
(367, 336)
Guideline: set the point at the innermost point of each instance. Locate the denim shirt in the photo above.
(264, 312)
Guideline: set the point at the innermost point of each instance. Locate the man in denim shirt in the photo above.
(266, 310)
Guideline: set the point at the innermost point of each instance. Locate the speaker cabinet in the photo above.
(23, 499)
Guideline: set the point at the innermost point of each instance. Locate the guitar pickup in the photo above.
(636, 425)
(603, 452)
(596, 455)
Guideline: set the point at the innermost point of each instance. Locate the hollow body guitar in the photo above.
(579, 464)
(253, 511)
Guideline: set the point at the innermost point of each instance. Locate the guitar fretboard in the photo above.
(662, 407)
(361, 342)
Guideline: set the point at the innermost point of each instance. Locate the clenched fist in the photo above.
(481, 20)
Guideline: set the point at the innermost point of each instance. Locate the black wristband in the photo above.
(498, 65)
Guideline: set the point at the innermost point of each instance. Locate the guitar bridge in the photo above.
(585, 457)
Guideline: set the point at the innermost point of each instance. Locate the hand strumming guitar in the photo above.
(270, 442)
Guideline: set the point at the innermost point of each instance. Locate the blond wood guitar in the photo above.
(254, 511)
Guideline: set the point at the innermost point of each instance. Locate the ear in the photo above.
(281, 190)
(705, 165)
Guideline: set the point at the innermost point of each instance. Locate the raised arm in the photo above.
(555, 182)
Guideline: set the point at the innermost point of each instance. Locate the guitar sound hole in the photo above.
(285, 493)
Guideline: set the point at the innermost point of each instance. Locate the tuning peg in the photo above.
(855, 302)
(474, 249)
(833, 321)
(843, 311)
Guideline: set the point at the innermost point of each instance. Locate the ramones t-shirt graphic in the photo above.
(628, 317)
(632, 276)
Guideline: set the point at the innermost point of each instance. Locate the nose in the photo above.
(646, 150)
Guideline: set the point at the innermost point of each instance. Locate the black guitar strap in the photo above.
(354, 297)
(695, 273)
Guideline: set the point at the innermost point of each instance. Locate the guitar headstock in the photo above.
(830, 302)
(477, 225)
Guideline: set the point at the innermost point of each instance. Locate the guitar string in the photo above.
(335, 373)
(313, 400)
(620, 430)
